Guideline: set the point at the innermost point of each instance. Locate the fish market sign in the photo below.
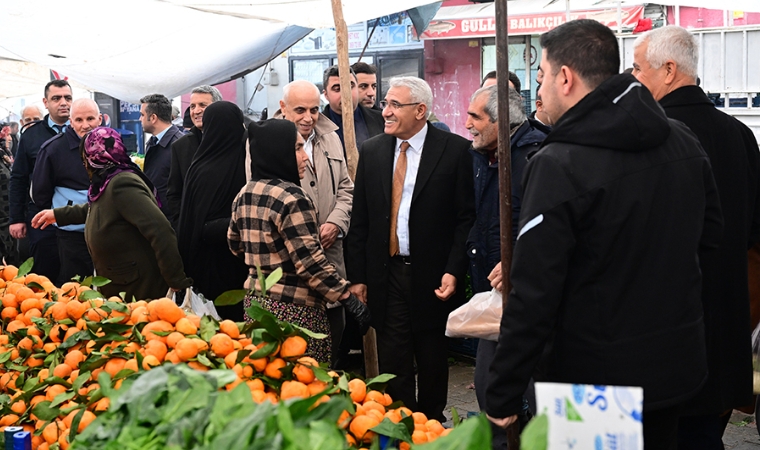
(528, 24)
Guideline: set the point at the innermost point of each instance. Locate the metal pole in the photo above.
(352, 154)
(505, 168)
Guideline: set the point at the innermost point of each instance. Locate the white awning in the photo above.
(128, 49)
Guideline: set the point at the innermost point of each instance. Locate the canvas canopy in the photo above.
(130, 48)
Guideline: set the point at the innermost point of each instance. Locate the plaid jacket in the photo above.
(274, 225)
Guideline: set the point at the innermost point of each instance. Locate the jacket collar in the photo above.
(686, 95)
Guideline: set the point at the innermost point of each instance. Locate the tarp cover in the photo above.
(131, 48)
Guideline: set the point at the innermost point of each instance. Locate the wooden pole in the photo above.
(505, 168)
(371, 367)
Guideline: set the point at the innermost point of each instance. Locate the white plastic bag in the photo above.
(197, 304)
(479, 318)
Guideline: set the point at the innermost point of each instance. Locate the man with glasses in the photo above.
(413, 208)
(42, 243)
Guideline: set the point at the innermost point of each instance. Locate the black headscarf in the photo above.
(272, 144)
(214, 178)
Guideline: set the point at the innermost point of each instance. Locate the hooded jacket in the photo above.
(617, 203)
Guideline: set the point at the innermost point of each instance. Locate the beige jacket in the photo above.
(328, 185)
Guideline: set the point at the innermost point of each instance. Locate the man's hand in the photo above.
(448, 287)
(328, 233)
(18, 230)
(495, 277)
(360, 291)
(503, 423)
(43, 219)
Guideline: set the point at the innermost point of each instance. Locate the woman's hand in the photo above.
(43, 219)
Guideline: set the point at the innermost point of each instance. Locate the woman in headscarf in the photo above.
(274, 225)
(130, 241)
(214, 178)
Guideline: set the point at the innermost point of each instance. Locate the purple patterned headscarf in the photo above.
(107, 157)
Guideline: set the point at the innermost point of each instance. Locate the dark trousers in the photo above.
(704, 432)
(74, 256)
(43, 247)
(661, 428)
(337, 319)
(400, 344)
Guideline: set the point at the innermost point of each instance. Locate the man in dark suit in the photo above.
(183, 149)
(665, 61)
(156, 119)
(367, 122)
(413, 208)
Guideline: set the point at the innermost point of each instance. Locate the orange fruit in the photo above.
(196, 320)
(316, 386)
(87, 419)
(50, 433)
(131, 365)
(293, 389)
(166, 310)
(358, 389)
(302, 371)
(272, 369)
(76, 309)
(419, 437)
(293, 346)
(9, 301)
(419, 417)
(186, 349)
(255, 384)
(197, 366)
(34, 362)
(229, 328)
(10, 272)
(360, 426)
(258, 396)
(393, 415)
(8, 419)
(9, 313)
(434, 426)
(102, 404)
(371, 404)
(159, 325)
(139, 314)
(114, 366)
(157, 349)
(14, 326)
(25, 344)
(174, 337)
(231, 359)
(201, 344)
(58, 311)
(73, 358)
(221, 344)
(24, 293)
(184, 326)
(150, 361)
(19, 407)
(54, 390)
(62, 370)
(63, 440)
(172, 357)
(378, 397)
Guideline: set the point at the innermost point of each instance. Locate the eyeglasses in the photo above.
(396, 105)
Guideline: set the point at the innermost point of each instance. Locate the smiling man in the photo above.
(326, 181)
(484, 241)
(183, 149)
(42, 243)
(413, 209)
(60, 179)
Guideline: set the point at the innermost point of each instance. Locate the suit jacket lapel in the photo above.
(432, 150)
(385, 164)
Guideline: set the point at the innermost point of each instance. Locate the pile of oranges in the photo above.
(55, 344)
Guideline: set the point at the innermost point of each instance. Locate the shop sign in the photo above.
(529, 23)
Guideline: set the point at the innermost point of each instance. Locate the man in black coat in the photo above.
(42, 243)
(406, 243)
(183, 149)
(665, 61)
(616, 205)
(156, 117)
(368, 122)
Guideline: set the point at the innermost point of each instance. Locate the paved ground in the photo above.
(741, 433)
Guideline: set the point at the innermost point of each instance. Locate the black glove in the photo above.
(359, 311)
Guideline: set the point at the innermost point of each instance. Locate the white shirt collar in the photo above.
(415, 142)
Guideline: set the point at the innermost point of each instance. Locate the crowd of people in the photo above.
(634, 202)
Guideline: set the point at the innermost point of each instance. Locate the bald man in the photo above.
(60, 179)
(326, 181)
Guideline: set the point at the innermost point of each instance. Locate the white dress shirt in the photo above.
(413, 156)
(308, 147)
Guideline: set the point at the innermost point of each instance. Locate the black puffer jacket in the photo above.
(616, 206)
